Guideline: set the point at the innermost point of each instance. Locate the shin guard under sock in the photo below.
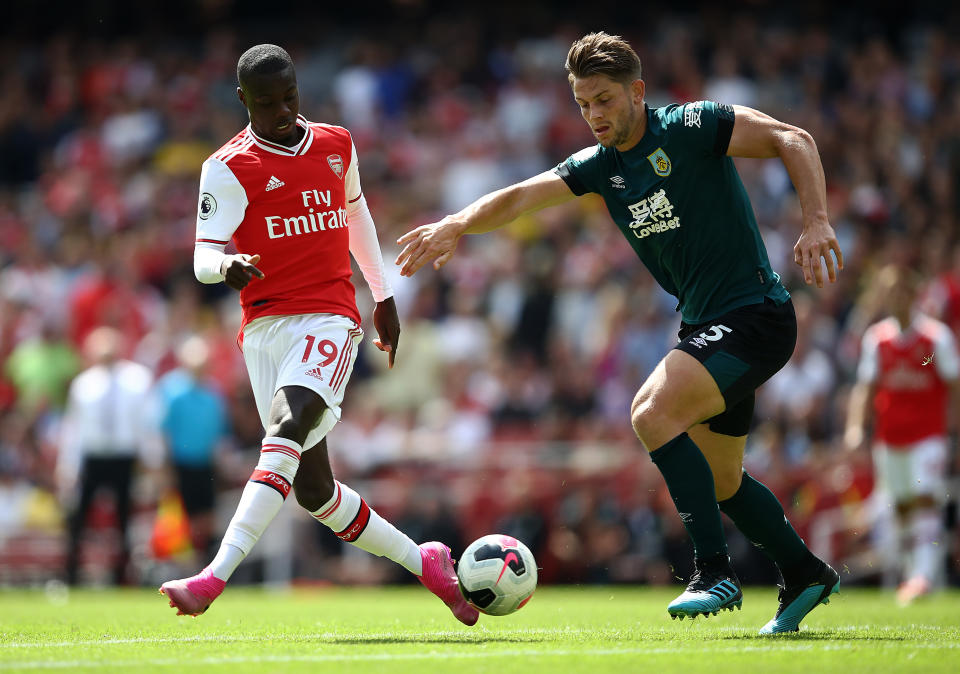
(690, 481)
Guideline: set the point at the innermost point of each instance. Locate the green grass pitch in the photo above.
(610, 629)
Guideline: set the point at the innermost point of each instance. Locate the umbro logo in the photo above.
(274, 183)
(686, 517)
(316, 373)
(715, 334)
(618, 183)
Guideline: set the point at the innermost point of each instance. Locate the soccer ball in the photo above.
(497, 574)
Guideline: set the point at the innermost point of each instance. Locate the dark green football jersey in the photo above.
(678, 199)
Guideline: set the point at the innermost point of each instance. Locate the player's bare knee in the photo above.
(904, 508)
(289, 427)
(640, 417)
(651, 425)
(314, 492)
(726, 481)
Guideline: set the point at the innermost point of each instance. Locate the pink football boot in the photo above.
(193, 595)
(440, 578)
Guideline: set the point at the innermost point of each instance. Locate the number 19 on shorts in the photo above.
(327, 350)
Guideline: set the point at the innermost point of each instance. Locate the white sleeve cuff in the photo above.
(365, 249)
(207, 260)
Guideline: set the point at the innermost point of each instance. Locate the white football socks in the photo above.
(260, 502)
(926, 527)
(353, 521)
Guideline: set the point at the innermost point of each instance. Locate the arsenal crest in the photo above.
(336, 164)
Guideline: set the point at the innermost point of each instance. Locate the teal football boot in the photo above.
(714, 587)
(797, 600)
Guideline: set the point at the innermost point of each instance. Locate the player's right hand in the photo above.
(814, 244)
(436, 240)
(239, 269)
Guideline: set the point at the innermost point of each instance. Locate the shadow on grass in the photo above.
(818, 635)
(444, 639)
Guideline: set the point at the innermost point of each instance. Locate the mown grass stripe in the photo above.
(429, 655)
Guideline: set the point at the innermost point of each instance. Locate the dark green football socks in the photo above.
(690, 481)
(759, 515)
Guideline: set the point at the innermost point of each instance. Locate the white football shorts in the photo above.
(316, 351)
(918, 469)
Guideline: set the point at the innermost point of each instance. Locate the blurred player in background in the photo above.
(669, 182)
(285, 190)
(906, 380)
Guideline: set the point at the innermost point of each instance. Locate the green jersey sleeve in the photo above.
(704, 127)
(581, 170)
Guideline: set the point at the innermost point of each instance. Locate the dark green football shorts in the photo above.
(742, 349)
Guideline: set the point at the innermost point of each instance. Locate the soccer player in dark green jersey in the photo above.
(669, 182)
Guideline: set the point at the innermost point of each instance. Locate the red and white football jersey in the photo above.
(288, 205)
(912, 370)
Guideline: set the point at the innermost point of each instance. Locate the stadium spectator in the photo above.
(40, 369)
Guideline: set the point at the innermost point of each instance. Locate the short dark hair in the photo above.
(898, 275)
(263, 59)
(603, 54)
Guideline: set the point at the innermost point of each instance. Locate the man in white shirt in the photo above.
(106, 428)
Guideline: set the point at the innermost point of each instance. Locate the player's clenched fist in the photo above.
(437, 240)
(238, 269)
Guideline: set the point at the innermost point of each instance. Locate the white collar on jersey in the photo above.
(298, 149)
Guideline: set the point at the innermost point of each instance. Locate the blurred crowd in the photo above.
(508, 408)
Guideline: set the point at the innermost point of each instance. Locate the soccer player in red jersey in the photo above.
(907, 372)
(287, 192)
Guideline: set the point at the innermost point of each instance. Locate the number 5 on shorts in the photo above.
(325, 347)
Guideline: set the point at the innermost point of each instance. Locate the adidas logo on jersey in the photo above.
(315, 372)
(274, 183)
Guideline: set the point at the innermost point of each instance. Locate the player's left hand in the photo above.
(816, 242)
(387, 323)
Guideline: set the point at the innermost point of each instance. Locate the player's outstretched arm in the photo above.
(437, 241)
(758, 135)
